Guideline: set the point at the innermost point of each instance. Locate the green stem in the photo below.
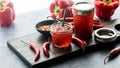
(1, 5)
(107, 1)
(106, 59)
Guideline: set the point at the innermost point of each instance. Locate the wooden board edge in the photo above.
(18, 54)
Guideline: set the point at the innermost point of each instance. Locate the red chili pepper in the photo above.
(97, 22)
(113, 53)
(7, 14)
(105, 8)
(97, 26)
(35, 48)
(45, 48)
(80, 42)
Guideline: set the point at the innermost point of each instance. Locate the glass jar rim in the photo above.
(83, 8)
(54, 25)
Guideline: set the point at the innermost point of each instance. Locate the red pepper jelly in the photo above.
(83, 13)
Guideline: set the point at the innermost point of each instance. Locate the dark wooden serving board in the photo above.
(27, 55)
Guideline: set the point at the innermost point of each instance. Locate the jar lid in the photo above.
(83, 8)
(105, 35)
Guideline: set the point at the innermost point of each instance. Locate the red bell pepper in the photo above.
(58, 6)
(7, 14)
(105, 8)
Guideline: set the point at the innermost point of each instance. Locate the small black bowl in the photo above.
(42, 23)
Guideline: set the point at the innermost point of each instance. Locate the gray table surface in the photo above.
(25, 24)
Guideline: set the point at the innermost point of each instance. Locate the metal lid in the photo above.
(105, 35)
(83, 8)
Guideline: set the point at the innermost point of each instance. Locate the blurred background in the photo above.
(23, 6)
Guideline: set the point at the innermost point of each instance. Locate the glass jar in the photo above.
(83, 14)
(61, 35)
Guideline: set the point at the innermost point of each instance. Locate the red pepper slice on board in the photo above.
(112, 53)
(35, 48)
(80, 42)
(46, 47)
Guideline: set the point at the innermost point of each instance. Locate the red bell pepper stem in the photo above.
(107, 1)
(2, 6)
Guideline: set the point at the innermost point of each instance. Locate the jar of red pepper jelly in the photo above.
(83, 14)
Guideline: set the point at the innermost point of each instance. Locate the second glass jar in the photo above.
(83, 14)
